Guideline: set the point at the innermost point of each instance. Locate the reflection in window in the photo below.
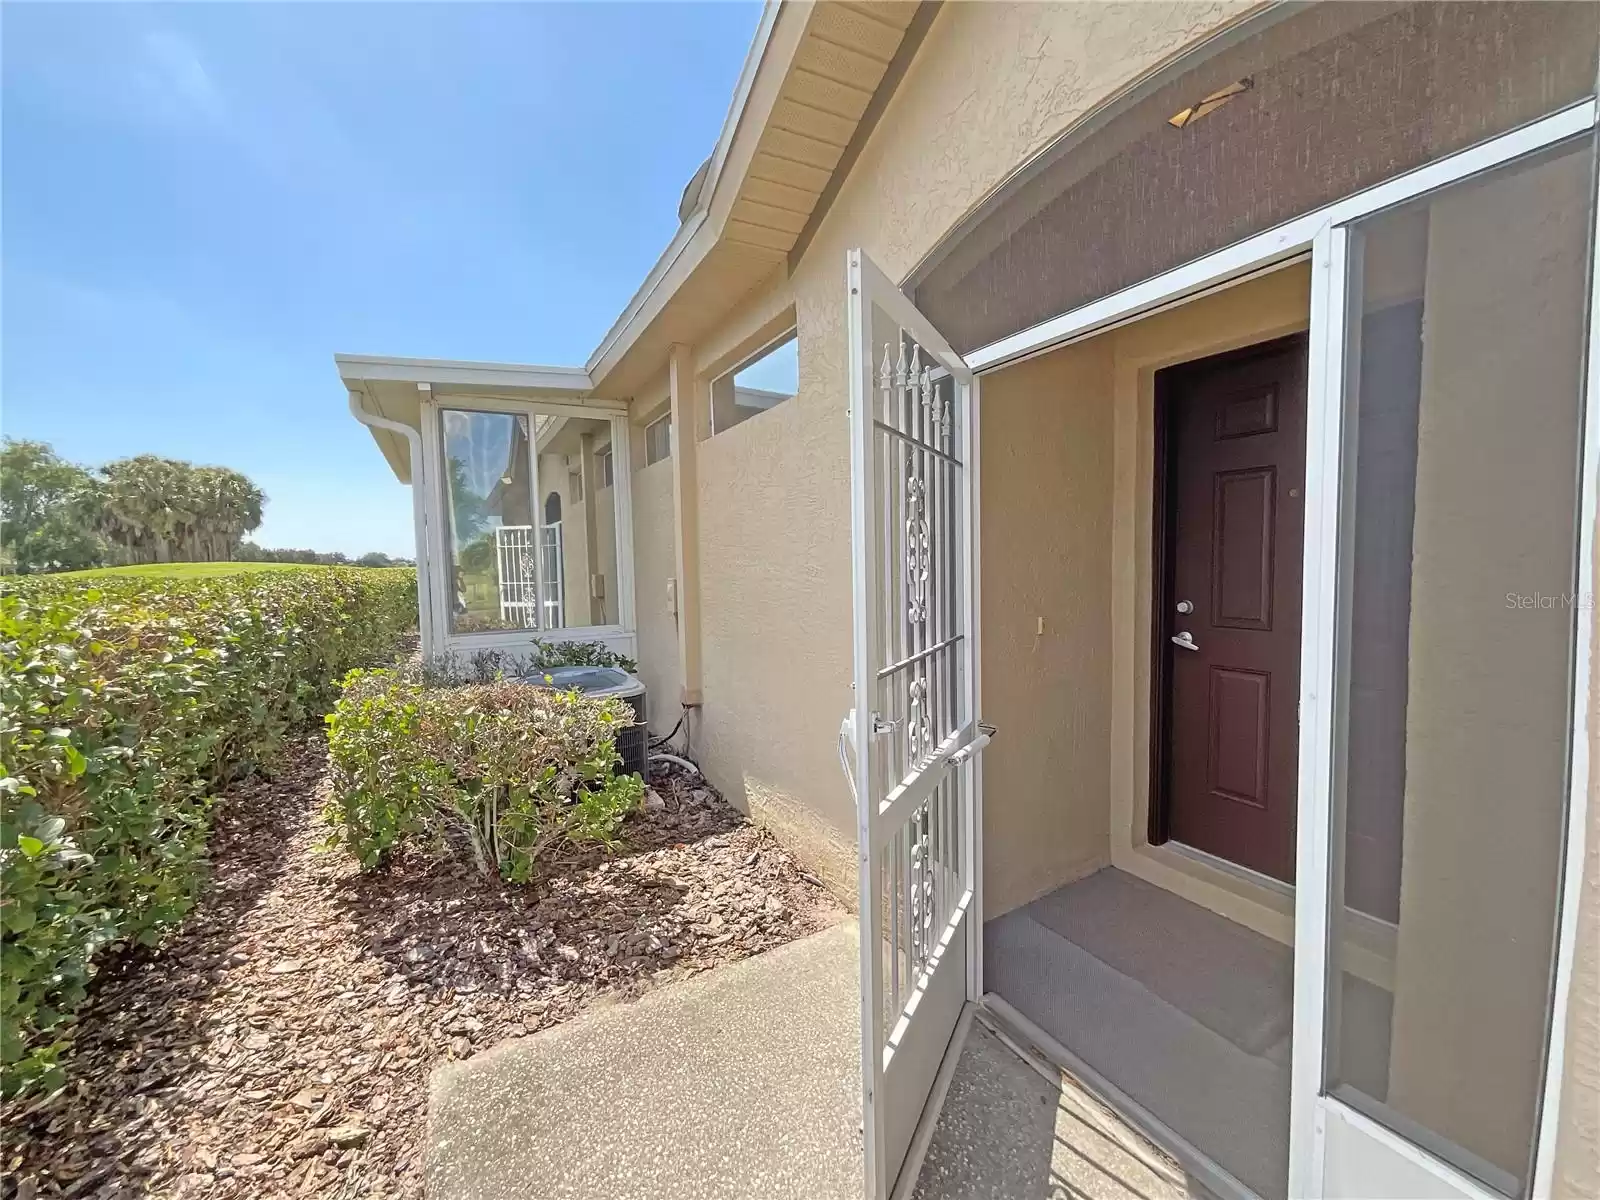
(658, 440)
(1463, 393)
(515, 564)
(763, 382)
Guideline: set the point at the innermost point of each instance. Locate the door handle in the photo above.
(973, 748)
(1185, 640)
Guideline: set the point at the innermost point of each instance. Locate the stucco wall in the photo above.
(1067, 447)
(605, 538)
(773, 492)
(556, 476)
(775, 589)
(991, 85)
(654, 562)
(1046, 442)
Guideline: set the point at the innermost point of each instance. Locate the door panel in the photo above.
(1235, 441)
(1362, 1161)
(914, 728)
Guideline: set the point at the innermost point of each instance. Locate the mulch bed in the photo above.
(280, 1043)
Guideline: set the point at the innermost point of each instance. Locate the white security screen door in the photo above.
(915, 732)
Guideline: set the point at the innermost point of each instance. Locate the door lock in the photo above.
(1186, 607)
(1185, 640)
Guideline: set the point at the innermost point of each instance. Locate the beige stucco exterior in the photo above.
(1046, 441)
(748, 531)
(1068, 450)
(774, 491)
(1066, 518)
(655, 572)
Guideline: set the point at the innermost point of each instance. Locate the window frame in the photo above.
(666, 419)
(621, 636)
(792, 334)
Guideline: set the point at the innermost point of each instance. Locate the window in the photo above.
(602, 462)
(658, 439)
(763, 382)
(516, 565)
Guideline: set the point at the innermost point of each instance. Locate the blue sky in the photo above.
(204, 202)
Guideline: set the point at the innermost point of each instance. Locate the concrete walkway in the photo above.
(744, 1084)
(1014, 1128)
(741, 1082)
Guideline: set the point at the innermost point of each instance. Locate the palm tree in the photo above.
(164, 510)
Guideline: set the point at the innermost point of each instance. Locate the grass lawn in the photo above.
(189, 570)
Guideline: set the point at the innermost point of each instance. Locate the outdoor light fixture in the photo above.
(1214, 101)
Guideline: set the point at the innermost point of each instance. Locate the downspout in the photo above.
(419, 506)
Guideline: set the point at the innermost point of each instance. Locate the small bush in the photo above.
(509, 769)
(124, 705)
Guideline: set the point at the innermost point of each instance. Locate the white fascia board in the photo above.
(454, 373)
(741, 96)
(685, 251)
(676, 263)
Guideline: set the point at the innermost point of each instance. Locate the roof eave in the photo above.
(688, 247)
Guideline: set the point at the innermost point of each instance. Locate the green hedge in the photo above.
(124, 705)
(504, 768)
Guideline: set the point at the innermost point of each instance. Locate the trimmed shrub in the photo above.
(485, 666)
(125, 703)
(509, 769)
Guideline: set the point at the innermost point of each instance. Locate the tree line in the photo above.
(56, 515)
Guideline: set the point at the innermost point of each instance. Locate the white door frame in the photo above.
(1321, 233)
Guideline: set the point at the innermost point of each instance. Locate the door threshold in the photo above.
(1226, 866)
(1013, 1027)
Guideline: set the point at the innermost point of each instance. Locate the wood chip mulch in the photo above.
(280, 1043)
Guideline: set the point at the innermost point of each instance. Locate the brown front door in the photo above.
(1233, 493)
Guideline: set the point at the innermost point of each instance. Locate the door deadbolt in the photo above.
(1186, 606)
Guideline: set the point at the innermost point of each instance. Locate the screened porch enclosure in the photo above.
(521, 496)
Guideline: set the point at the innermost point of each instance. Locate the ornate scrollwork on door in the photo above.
(918, 548)
(919, 722)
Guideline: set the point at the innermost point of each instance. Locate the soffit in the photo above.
(777, 172)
